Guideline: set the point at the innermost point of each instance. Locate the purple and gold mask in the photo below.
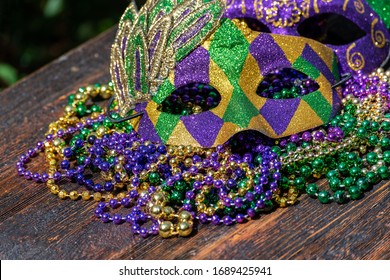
(167, 47)
(350, 27)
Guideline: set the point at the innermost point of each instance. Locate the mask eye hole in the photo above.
(191, 99)
(286, 83)
(255, 25)
(330, 28)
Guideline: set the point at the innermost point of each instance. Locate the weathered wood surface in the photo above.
(34, 224)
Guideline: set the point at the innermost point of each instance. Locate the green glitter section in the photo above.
(240, 110)
(165, 125)
(306, 67)
(229, 50)
(165, 89)
(382, 8)
(319, 104)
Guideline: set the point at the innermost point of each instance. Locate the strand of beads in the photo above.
(352, 152)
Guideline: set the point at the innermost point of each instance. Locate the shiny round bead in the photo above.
(184, 228)
(312, 189)
(85, 195)
(372, 158)
(185, 215)
(339, 196)
(354, 192)
(168, 212)
(165, 229)
(54, 189)
(334, 183)
(362, 184)
(318, 164)
(372, 177)
(156, 210)
(384, 172)
(62, 194)
(355, 171)
(324, 197)
(74, 195)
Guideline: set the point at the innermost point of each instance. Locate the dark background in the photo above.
(34, 32)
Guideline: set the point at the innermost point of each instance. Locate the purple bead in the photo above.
(45, 177)
(319, 136)
(49, 137)
(259, 189)
(40, 145)
(240, 218)
(105, 217)
(218, 184)
(57, 176)
(117, 219)
(209, 180)
(203, 218)
(143, 232)
(268, 195)
(249, 196)
(197, 185)
(231, 183)
(238, 202)
(102, 205)
(306, 136)
(227, 201)
(98, 212)
(21, 171)
(294, 138)
(251, 212)
(215, 220)
(227, 220)
(65, 164)
(277, 176)
(125, 202)
(190, 195)
(260, 204)
(23, 158)
(187, 207)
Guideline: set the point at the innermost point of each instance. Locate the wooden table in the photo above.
(34, 224)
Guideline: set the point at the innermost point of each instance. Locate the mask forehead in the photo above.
(234, 60)
(285, 16)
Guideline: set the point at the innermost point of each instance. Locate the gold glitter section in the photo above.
(171, 77)
(249, 81)
(260, 124)
(180, 135)
(152, 112)
(249, 34)
(326, 88)
(304, 118)
(228, 130)
(220, 81)
(286, 43)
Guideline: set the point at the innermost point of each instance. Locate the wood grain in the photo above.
(36, 225)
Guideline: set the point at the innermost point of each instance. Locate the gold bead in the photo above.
(101, 130)
(201, 207)
(74, 195)
(200, 197)
(168, 213)
(188, 162)
(156, 210)
(54, 189)
(165, 229)
(69, 109)
(62, 194)
(97, 196)
(220, 204)
(184, 228)
(185, 215)
(210, 211)
(85, 195)
(158, 197)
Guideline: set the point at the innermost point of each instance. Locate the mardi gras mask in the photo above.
(350, 27)
(168, 47)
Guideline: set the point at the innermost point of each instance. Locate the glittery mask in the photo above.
(233, 60)
(350, 27)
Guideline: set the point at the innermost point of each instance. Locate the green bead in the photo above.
(361, 132)
(305, 145)
(305, 171)
(355, 171)
(386, 157)
(365, 124)
(128, 128)
(80, 160)
(276, 149)
(241, 185)
(385, 142)
(165, 187)
(318, 164)
(383, 172)
(95, 126)
(96, 109)
(331, 174)
(111, 160)
(284, 182)
(372, 178)
(352, 157)
(154, 178)
(374, 126)
(312, 189)
(354, 192)
(342, 167)
(81, 110)
(299, 182)
(176, 197)
(373, 140)
(180, 185)
(269, 205)
(277, 95)
(324, 197)
(385, 126)
(347, 182)
(334, 183)
(107, 123)
(291, 147)
(259, 159)
(350, 108)
(362, 184)
(85, 132)
(372, 158)
(70, 99)
(334, 122)
(339, 196)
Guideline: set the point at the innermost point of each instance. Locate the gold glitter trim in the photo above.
(355, 60)
(377, 36)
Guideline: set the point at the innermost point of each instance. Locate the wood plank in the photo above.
(37, 225)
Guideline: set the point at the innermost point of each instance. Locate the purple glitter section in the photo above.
(279, 113)
(137, 70)
(153, 44)
(193, 68)
(124, 45)
(336, 106)
(312, 57)
(146, 128)
(204, 127)
(118, 80)
(268, 54)
(195, 29)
